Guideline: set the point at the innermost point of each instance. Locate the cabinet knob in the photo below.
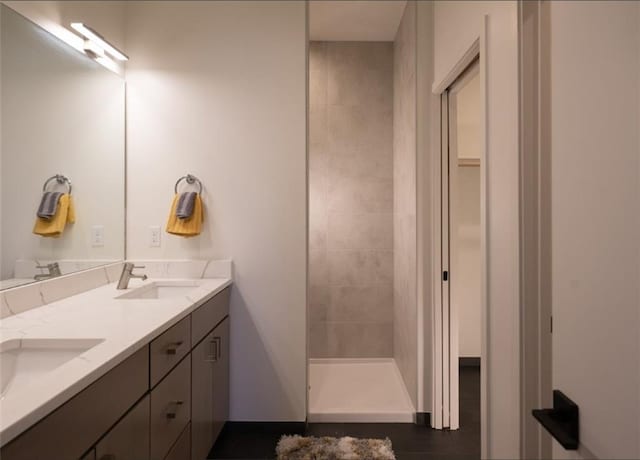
(171, 414)
(172, 349)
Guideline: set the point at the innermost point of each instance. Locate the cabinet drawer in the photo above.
(168, 349)
(67, 432)
(205, 318)
(170, 409)
(181, 450)
(129, 439)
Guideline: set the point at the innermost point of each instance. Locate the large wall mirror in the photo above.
(62, 157)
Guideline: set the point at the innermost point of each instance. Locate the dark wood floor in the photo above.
(252, 441)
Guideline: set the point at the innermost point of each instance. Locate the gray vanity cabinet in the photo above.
(129, 439)
(168, 401)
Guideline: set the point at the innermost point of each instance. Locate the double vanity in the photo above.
(107, 374)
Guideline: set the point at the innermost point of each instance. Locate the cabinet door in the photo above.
(170, 409)
(129, 439)
(221, 378)
(203, 358)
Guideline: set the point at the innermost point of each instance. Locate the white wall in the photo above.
(218, 89)
(468, 123)
(466, 285)
(595, 145)
(457, 25)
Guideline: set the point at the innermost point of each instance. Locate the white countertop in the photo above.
(14, 282)
(125, 325)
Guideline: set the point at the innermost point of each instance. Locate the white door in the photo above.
(595, 231)
(460, 237)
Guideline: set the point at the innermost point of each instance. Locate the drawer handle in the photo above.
(215, 350)
(174, 413)
(108, 457)
(173, 348)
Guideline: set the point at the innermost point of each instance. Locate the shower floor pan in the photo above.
(357, 391)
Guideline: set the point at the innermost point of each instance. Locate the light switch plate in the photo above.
(154, 236)
(97, 236)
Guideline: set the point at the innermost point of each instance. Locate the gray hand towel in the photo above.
(49, 205)
(186, 203)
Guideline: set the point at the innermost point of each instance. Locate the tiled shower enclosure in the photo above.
(351, 199)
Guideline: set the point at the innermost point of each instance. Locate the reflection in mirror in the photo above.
(62, 157)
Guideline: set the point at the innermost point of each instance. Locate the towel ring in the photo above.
(191, 179)
(60, 179)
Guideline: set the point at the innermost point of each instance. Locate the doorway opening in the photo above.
(461, 162)
(362, 309)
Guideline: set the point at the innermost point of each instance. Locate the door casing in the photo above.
(445, 363)
(535, 225)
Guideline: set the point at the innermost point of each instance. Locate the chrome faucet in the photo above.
(53, 270)
(127, 274)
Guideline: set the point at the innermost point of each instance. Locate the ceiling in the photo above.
(355, 20)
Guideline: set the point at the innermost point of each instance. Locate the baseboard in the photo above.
(469, 362)
(423, 418)
(278, 427)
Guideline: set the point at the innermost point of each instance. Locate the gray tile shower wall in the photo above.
(405, 318)
(351, 199)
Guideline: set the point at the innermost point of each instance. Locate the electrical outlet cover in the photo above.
(154, 236)
(97, 236)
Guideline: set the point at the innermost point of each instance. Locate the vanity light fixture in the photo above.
(96, 45)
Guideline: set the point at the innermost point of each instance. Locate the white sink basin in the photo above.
(24, 360)
(163, 290)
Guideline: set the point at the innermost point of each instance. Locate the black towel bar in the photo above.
(562, 422)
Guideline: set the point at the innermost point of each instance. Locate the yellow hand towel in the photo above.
(190, 226)
(65, 214)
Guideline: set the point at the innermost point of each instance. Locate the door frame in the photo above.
(442, 358)
(535, 224)
(449, 162)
